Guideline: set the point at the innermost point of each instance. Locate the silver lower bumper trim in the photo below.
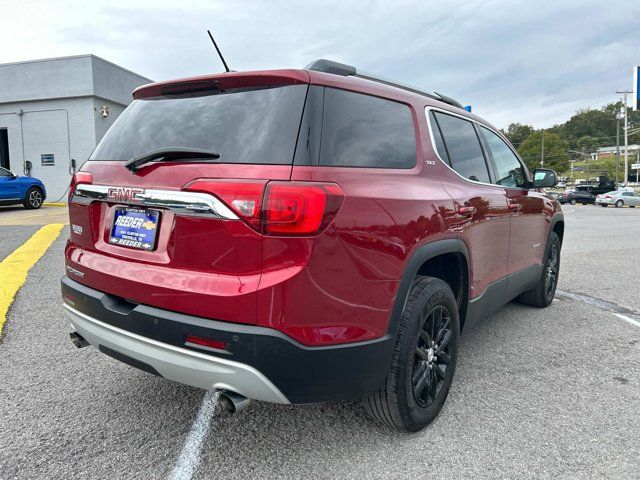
(178, 364)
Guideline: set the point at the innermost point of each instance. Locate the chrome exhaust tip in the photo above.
(233, 402)
(78, 340)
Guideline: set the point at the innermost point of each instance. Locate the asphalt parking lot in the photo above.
(549, 393)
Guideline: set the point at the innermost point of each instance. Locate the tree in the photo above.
(517, 133)
(587, 144)
(598, 124)
(556, 154)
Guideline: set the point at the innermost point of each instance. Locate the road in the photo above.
(551, 393)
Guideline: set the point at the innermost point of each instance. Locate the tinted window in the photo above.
(5, 173)
(242, 125)
(463, 146)
(627, 194)
(509, 169)
(364, 131)
(437, 136)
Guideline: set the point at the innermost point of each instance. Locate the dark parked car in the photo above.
(585, 198)
(299, 236)
(603, 185)
(15, 190)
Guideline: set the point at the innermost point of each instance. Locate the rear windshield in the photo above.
(258, 125)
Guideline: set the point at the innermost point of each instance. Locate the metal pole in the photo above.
(625, 174)
(542, 152)
(617, 146)
(638, 169)
(626, 141)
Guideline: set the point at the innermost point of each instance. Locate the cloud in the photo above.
(531, 62)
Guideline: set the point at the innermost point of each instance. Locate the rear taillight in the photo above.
(244, 198)
(607, 196)
(77, 179)
(277, 208)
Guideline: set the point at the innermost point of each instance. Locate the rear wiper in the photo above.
(169, 153)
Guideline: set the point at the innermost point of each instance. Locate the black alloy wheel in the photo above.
(432, 355)
(423, 363)
(551, 274)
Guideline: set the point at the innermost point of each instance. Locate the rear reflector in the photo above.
(278, 207)
(205, 342)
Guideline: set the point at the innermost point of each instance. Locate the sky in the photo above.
(533, 62)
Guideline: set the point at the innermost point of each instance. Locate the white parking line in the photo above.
(189, 459)
(627, 319)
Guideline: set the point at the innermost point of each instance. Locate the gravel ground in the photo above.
(538, 394)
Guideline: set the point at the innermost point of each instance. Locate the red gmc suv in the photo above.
(297, 236)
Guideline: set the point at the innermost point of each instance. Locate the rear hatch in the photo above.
(181, 232)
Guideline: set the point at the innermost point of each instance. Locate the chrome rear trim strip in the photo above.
(178, 201)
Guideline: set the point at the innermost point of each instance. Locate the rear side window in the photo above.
(437, 136)
(510, 172)
(363, 131)
(255, 125)
(463, 145)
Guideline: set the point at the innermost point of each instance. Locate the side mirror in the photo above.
(544, 178)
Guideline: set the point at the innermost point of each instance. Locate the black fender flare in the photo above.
(416, 260)
(557, 217)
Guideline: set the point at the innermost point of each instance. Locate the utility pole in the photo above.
(617, 146)
(626, 137)
(542, 152)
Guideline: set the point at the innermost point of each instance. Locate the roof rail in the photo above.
(336, 68)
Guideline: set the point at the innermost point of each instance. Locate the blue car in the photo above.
(14, 189)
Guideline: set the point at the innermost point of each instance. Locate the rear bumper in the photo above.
(260, 363)
(178, 364)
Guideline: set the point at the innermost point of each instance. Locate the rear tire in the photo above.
(424, 359)
(33, 199)
(619, 203)
(603, 205)
(542, 294)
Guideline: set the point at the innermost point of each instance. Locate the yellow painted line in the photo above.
(54, 204)
(14, 268)
(31, 216)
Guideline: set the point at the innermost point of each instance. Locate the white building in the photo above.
(604, 152)
(54, 111)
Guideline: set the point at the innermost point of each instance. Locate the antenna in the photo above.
(218, 50)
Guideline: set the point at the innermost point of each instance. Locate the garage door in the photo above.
(46, 146)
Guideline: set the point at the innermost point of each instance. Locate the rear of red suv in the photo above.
(292, 236)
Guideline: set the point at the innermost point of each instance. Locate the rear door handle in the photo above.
(466, 211)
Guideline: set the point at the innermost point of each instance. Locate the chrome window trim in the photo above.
(428, 109)
(189, 203)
